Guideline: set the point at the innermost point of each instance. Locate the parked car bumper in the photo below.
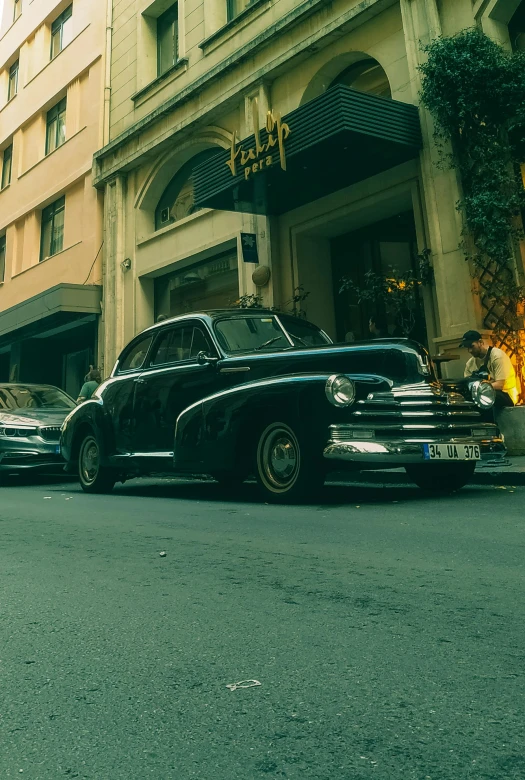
(26, 455)
(344, 445)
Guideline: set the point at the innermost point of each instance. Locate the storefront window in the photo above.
(213, 284)
(384, 248)
(178, 199)
(365, 76)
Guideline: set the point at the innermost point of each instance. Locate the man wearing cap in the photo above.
(496, 362)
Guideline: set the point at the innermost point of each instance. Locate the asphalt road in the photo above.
(386, 630)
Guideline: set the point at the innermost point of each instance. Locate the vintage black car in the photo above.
(242, 392)
(31, 417)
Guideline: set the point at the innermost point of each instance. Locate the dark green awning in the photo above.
(55, 308)
(337, 139)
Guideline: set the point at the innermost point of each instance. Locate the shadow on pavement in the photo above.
(248, 493)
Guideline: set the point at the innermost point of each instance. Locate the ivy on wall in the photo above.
(475, 91)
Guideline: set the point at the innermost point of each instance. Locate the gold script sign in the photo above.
(260, 156)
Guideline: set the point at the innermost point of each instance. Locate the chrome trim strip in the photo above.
(240, 370)
(387, 453)
(246, 386)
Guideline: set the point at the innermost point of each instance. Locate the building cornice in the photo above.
(363, 10)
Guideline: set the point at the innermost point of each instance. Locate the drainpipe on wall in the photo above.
(107, 71)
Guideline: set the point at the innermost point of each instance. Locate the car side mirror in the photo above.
(204, 359)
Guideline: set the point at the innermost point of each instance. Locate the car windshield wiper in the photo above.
(298, 338)
(267, 343)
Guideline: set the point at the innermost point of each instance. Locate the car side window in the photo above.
(135, 358)
(179, 344)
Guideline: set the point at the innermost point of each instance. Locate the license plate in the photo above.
(451, 452)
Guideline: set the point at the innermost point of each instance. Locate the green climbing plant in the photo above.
(475, 91)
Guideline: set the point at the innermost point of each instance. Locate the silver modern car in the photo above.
(30, 420)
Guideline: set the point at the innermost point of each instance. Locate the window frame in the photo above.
(49, 213)
(13, 71)
(143, 337)
(17, 6)
(57, 27)
(169, 331)
(59, 110)
(7, 159)
(170, 18)
(230, 7)
(3, 253)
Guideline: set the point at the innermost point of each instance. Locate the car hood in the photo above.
(36, 417)
(401, 362)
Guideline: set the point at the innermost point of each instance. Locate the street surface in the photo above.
(386, 629)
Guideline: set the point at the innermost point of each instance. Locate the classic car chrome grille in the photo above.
(50, 433)
(413, 412)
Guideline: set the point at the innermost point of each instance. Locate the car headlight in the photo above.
(340, 390)
(483, 394)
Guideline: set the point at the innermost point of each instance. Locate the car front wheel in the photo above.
(286, 469)
(441, 478)
(94, 478)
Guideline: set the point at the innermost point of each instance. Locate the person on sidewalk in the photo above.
(92, 381)
(495, 363)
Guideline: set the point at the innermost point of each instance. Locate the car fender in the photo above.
(88, 416)
(219, 431)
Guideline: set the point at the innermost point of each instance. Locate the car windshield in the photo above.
(17, 397)
(244, 334)
(303, 333)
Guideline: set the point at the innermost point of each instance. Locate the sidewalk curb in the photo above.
(498, 476)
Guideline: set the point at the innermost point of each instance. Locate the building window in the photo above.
(52, 231)
(56, 126)
(167, 39)
(7, 165)
(17, 9)
(235, 7)
(517, 28)
(178, 201)
(365, 76)
(2, 258)
(61, 31)
(12, 88)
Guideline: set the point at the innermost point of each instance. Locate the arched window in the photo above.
(517, 28)
(365, 76)
(177, 200)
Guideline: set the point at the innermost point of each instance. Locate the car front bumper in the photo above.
(31, 453)
(385, 453)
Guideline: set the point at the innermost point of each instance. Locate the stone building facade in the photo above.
(348, 182)
(52, 71)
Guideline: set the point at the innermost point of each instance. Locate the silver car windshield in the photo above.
(24, 397)
(259, 332)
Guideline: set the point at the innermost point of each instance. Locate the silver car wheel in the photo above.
(89, 460)
(278, 458)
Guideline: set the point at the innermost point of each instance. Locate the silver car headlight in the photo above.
(340, 390)
(483, 394)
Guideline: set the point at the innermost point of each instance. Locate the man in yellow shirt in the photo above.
(496, 362)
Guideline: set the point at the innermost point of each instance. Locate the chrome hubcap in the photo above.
(89, 461)
(280, 458)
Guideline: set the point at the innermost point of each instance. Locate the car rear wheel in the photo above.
(286, 468)
(94, 478)
(441, 478)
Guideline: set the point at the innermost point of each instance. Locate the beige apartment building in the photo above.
(52, 55)
(240, 164)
